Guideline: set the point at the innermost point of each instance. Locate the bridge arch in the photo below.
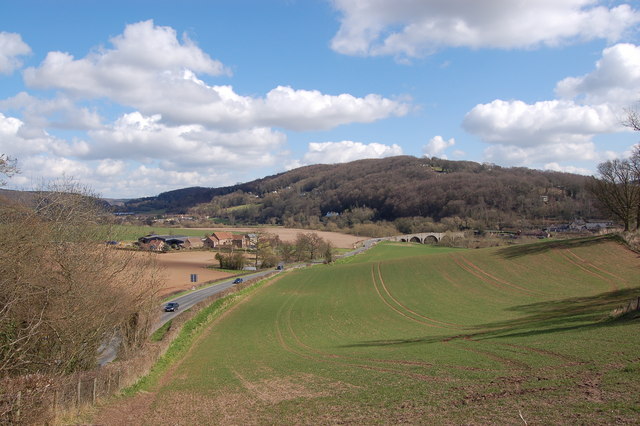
(430, 239)
(415, 239)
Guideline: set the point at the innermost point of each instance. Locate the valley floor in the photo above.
(420, 335)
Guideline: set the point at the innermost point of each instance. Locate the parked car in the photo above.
(238, 280)
(171, 307)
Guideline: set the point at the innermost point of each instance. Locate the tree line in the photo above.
(270, 251)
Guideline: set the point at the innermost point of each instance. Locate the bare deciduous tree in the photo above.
(617, 189)
(8, 167)
(63, 291)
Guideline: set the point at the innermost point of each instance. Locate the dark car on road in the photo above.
(238, 280)
(171, 307)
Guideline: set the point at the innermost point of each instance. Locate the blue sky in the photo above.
(139, 97)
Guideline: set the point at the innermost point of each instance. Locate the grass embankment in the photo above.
(189, 332)
(408, 333)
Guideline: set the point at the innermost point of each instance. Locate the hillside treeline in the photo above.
(407, 192)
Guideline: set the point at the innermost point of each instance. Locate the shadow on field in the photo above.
(562, 315)
(534, 248)
(540, 318)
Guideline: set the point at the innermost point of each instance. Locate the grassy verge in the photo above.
(159, 334)
(189, 332)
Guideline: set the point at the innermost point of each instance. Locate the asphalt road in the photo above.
(109, 351)
(188, 300)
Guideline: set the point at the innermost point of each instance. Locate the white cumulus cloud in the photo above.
(179, 129)
(555, 167)
(345, 151)
(562, 131)
(546, 122)
(146, 138)
(543, 132)
(11, 48)
(437, 146)
(615, 80)
(411, 28)
(150, 70)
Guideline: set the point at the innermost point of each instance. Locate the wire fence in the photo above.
(38, 399)
(41, 399)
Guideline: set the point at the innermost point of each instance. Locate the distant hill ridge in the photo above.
(389, 189)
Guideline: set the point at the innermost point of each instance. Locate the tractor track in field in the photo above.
(402, 306)
(597, 268)
(485, 277)
(508, 362)
(570, 360)
(612, 285)
(386, 302)
(334, 358)
(305, 351)
(478, 271)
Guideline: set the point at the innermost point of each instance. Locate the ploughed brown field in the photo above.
(177, 267)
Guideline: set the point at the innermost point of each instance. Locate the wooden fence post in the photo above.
(79, 390)
(55, 401)
(95, 385)
(18, 402)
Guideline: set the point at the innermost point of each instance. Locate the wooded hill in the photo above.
(396, 189)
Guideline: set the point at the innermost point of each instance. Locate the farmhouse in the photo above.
(152, 244)
(193, 242)
(217, 239)
(240, 241)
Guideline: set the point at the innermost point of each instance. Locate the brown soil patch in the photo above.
(177, 267)
(279, 389)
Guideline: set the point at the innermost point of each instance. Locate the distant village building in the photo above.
(580, 225)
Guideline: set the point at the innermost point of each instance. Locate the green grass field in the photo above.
(417, 334)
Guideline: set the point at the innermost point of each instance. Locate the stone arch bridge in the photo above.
(426, 237)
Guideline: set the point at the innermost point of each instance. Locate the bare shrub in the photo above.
(63, 291)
